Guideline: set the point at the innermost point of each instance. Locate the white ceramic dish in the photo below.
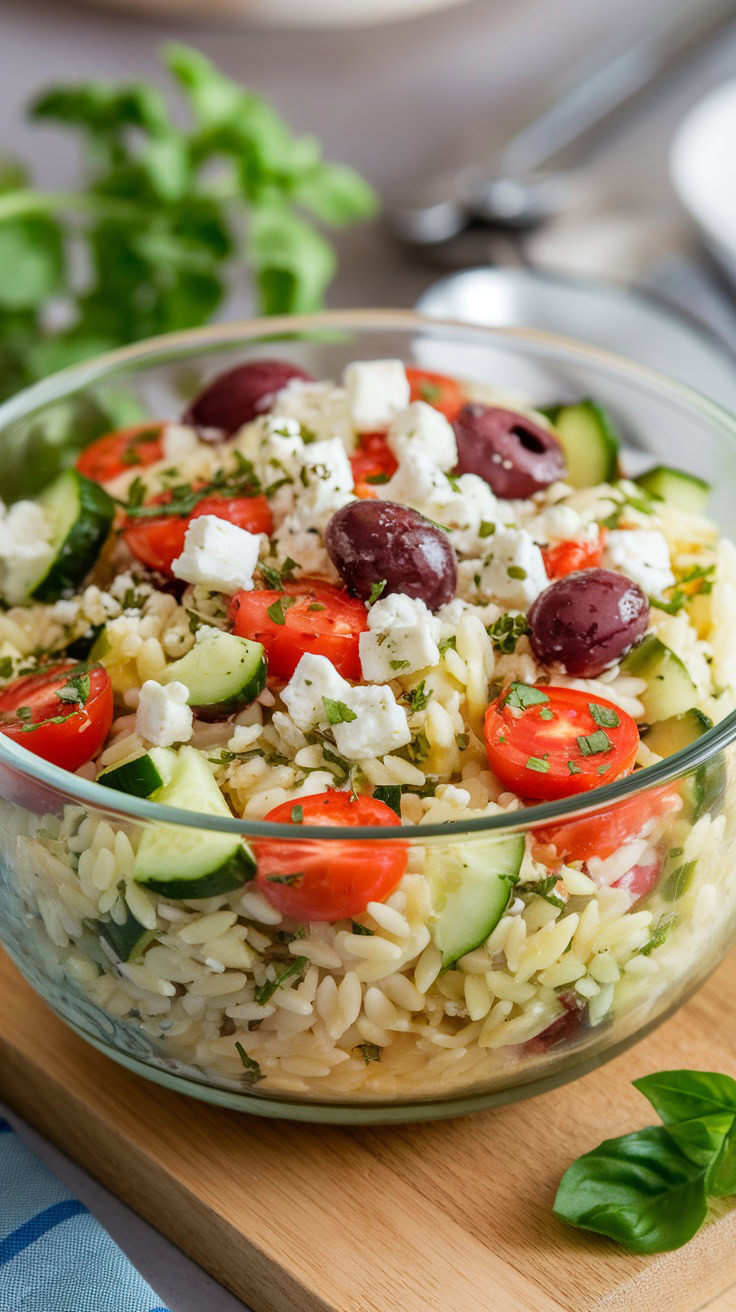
(703, 170)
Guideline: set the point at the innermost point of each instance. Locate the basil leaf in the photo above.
(678, 1096)
(522, 695)
(641, 1190)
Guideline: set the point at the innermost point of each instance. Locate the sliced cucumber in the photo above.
(670, 690)
(685, 491)
(81, 513)
(177, 862)
(589, 441)
(128, 940)
(703, 789)
(470, 886)
(142, 774)
(669, 736)
(81, 648)
(390, 794)
(223, 673)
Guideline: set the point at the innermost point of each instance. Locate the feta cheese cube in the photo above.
(218, 554)
(421, 426)
(320, 408)
(376, 391)
(418, 483)
(561, 524)
(25, 551)
(643, 555)
(511, 573)
(326, 477)
(302, 543)
(163, 717)
(402, 637)
(179, 441)
(314, 678)
(380, 725)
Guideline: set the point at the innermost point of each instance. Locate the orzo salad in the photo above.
(396, 599)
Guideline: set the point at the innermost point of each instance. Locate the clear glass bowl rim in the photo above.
(170, 347)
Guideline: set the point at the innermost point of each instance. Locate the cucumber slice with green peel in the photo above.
(128, 940)
(685, 491)
(142, 774)
(81, 513)
(179, 862)
(470, 887)
(669, 736)
(670, 690)
(81, 647)
(589, 440)
(223, 673)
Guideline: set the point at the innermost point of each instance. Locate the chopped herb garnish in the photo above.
(285, 936)
(337, 712)
(267, 990)
(297, 815)
(377, 478)
(399, 665)
(452, 480)
(573, 768)
(543, 888)
(417, 698)
(461, 741)
(516, 572)
(506, 631)
(603, 768)
(430, 392)
(447, 644)
(605, 716)
(390, 794)
(136, 493)
(369, 1052)
(357, 928)
(24, 713)
(418, 749)
(6, 667)
(537, 763)
(253, 1072)
(285, 879)
(276, 610)
(76, 690)
(546, 713)
(315, 605)
(523, 695)
(487, 528)
(658, 935)
(592, 743)
(376, 591)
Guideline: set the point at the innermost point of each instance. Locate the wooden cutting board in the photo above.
(453, 1216)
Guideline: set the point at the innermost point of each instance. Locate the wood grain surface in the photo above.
(453, 1216)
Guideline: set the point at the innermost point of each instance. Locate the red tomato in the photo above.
(366, 492)
(443, 393)
(567, 557)
(641, 879)
(120, 452)
(310, 615)
(81, 727)
(159, 540)
(554, 747)
(330, 880)
(373, 460)
(603, 832)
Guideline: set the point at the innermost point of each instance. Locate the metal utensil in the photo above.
(528, 182)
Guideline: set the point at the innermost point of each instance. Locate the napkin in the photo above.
(54, 1255)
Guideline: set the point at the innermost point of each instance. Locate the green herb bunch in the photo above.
(165, 219)
(649, 1190)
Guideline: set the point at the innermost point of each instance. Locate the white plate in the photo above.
(703, 169)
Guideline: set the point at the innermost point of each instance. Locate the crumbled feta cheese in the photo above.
(25, 550)
(279, 450)
(418, 483)
(320, 408)
(326, 476)
(302, 544)
(380, 725)
(402, 637)
(511, 573)
(244, 736)
(643, 555)
(376, 390)
(163, 717)
(179, 441)
(314, 678)
(561, 524)
(66, 611)
(218, 554)
(421, 426)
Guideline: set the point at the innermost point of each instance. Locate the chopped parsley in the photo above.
(430, 392)
(315, 605)
(297, 815)
(516, 572)
(605, 716)
(75, 690)
(546, 713)
(521, 696)
(390, 794)
(276, 610)
(447, 644)
(253, 1072)
(573, 768)
(337, 712)
(6, 667)
(417, 698)
(461, 741)
(506, 631)
(679, 597)
(286, 936)
(592, 743)
(658, 935)
(452, 480)
(376, 591)
(275, 578)
(487, 528)
(399, 665)
(543, 888)
(369, 1052)
(285, 879)
(357, 928)
(418, 749)
(266, 991)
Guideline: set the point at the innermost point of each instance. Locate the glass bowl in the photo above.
(375, 1031)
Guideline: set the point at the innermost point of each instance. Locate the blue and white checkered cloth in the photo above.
(54, 1255)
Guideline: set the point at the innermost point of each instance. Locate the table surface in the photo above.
(411, 97)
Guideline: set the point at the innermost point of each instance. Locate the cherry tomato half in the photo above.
(120, 452)
(373, 462)
(308, 615)
(567, 557)
(335, 880)
(159, 540)
(551, 742)
(603, 832)
(438, 390)
(62, 730)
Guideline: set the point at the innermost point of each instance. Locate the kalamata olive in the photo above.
(237, 396)
(513, 454)
(587, 620)
(371, 541)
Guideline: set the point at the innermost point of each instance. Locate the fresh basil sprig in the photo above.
(165, 219)
(649, 1190)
